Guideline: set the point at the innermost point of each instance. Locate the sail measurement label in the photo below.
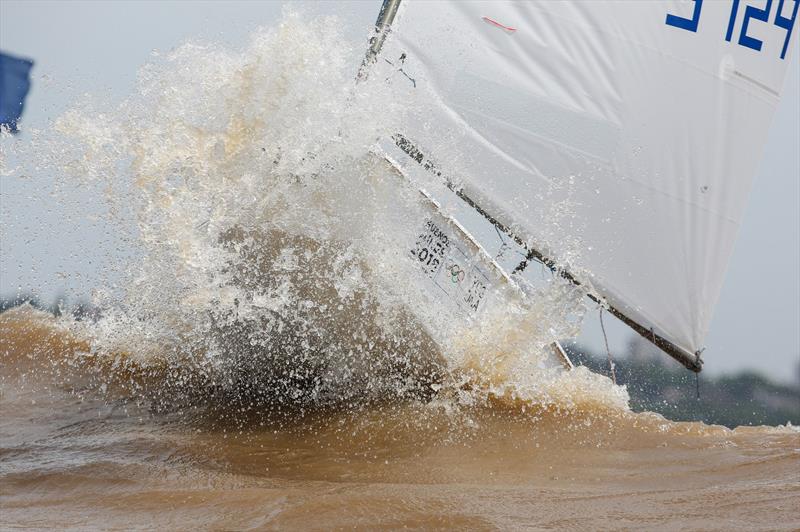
(450, 268)
(430, 248)
(784, 17)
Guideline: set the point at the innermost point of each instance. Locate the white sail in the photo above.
(619, 138)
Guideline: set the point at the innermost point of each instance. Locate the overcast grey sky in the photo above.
(97, 47)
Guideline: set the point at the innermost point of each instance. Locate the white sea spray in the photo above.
(260, 234)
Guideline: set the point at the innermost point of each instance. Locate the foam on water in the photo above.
(264, 233)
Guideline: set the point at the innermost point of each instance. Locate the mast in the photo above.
(382, 27)
(690, 361)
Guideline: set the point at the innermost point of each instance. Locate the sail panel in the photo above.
(620, 138)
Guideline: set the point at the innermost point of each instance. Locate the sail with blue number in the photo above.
(645, 120)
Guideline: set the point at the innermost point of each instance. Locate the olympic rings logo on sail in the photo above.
(457, 274)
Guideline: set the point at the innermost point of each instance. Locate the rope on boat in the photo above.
(608, 351)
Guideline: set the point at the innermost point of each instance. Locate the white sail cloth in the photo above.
(620, 138)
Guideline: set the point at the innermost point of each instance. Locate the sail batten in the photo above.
(616, 139)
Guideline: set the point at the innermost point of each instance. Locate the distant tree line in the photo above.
(658, 384)
(59, 305)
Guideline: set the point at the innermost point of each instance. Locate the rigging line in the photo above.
(499, 235)
(697, 375)
(524, 263)
(503, 244)
(608, 351)
(412, 80)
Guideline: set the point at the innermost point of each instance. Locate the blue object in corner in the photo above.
(15, 82)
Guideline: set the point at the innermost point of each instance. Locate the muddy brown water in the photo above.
(75, 454)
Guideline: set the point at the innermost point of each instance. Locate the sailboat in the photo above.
(649, 117)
